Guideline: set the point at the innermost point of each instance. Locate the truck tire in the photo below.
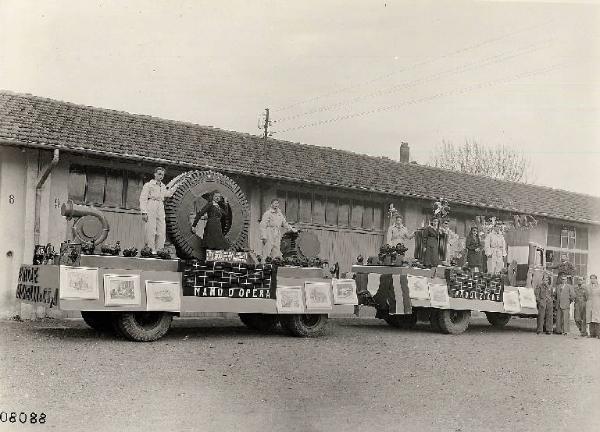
(313, 325)
(190, 196)
(143, 326)
(259, 322)
(402, 321)
(497, 319)
(100, 321)
(454, 321)
(434, 320)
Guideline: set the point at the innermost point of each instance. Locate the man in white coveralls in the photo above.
(270, 230)
(152, 200)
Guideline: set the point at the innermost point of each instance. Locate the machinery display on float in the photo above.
(137, 294)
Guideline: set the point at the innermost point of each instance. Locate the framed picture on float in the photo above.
(289, 299)
(318, 295)
(511, 302)
(79, 283)
(418, 287)
(122, 290)
(439, 295)
(163, 296)
(527, 298)
(344, 292)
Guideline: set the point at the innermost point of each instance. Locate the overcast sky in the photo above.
(355, 75)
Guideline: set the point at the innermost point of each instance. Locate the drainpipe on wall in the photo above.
(38, 195)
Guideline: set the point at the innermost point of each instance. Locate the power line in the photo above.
(415, 65)
(498, 58)
(427, 98)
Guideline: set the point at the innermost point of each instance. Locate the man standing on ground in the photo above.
(152, 200)
(543, 297)
(592, 308)
(564, 296)
(580, 301)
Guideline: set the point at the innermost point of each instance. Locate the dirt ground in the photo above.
(215, 375)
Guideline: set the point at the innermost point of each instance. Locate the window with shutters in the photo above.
(571, 241)
(325, 208)
(105, 187)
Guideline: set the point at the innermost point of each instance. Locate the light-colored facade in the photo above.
(347, 223)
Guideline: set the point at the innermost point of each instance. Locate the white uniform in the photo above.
(270, 230)
(152, 202)
(452, 244)
(495, 249)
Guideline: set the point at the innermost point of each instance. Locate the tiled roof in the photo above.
(35, 121)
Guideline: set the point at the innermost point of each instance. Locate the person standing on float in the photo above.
(452, 241)
(213, 231)
(398, 233)
(431, 236)
(270, 230)
(152, 207)
(474, 247)
(495, 250)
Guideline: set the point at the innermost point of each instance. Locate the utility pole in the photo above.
(267, 124)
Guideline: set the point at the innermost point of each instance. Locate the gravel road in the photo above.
(215, 375)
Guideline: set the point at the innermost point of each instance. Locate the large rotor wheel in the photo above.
(193, 189)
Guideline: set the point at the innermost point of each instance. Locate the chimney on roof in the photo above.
(404, 152)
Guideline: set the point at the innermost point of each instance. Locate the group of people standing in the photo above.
(272, 225)
(554, 305)
(398, 233)
(486, 254)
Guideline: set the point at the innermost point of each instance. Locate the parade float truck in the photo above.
(445, 296)
(137, 295)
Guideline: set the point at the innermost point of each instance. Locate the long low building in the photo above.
(53, 151)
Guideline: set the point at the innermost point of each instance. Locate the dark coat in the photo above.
(213, 232)
(432, 254)
(473, 256)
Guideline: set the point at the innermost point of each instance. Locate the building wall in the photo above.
(14, 218)
(594, 251)
(19, 171)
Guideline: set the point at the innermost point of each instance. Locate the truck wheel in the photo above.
(99, 321)
(434, 320)
(190, 197)
(313, 325)
(259, 322)
(454, 321)
(143, 326)
(402, 321)
(497, 319)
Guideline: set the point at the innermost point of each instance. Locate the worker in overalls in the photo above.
(544, 300)
(579, 309)
(152, 200)
(565, 295)
(270, 230)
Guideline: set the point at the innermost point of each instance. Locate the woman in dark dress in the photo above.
(213, 231)
(474, 248)
(431, 233)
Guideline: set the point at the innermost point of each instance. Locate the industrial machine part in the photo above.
(193, 191)
(90, 225)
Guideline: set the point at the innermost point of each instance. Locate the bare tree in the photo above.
(500, 161)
